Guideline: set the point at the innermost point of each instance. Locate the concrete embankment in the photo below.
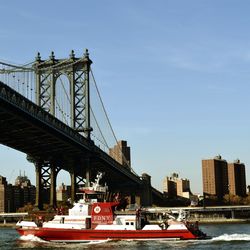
(220, 220)
(12, 225)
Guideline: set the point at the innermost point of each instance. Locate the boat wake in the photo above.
(232, 237)
(87, 242)
(31, 237)
(33, 241)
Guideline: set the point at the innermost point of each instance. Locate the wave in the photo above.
(31, 237)
(232, 237)
(95, 242)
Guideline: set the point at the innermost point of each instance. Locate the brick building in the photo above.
(15, 196)
(174, 187)
(63, 193)
(3, 184)
(121, 153)
(237, 178)
(220, 177)
(215, 177)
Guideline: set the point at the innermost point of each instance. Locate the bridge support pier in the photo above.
(38, 203)
(87, 172)
(53, 174)
(146, 197)
(73, 186)
(46, 174)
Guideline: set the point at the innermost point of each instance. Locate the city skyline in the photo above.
(174, 75)
(61, 177)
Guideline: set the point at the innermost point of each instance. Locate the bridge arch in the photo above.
(62, 99)
(63, 186)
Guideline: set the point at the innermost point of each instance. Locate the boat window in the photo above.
(132, 223)
(118, 221)
(127, 223)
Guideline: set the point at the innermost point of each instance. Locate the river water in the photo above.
(225, 236)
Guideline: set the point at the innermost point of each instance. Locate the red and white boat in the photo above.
(90, 220)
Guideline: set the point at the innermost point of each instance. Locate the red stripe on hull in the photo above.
(50, 234)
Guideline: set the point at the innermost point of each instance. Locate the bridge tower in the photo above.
(47, 72)
(77, 71)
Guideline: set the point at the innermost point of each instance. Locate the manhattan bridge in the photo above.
(52, 111)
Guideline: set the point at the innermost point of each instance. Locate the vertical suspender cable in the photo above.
(109, 120)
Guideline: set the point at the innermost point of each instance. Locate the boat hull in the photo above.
(81, 235)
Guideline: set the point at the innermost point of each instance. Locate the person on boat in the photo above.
(59, 210)
(40, 221)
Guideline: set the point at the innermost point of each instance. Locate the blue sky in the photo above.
(174, 75)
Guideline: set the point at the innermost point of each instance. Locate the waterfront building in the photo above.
(22, 181)
(220, 177)
(237, 178)
(175, 187)
(63, 193)
(121, 153)
(215, 177)
(15, 196)
(3, 184)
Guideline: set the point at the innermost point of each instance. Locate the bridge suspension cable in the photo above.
(99, 129)
(19, 77)
(14, 67)
(109, 123)
(22, 79)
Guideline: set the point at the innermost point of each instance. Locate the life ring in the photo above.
(97, 209)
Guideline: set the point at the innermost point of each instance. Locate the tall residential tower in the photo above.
(237, 178)
(215, 177)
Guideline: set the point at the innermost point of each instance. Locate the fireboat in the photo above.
(93, 220)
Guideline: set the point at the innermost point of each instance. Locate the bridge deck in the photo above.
(28, 128)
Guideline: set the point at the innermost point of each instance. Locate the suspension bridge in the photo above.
(52, 111)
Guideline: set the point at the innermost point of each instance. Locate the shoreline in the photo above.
(8, 225)
(221, 221)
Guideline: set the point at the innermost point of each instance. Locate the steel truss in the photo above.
(77, 71)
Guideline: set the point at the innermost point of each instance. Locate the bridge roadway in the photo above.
(26, 127)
